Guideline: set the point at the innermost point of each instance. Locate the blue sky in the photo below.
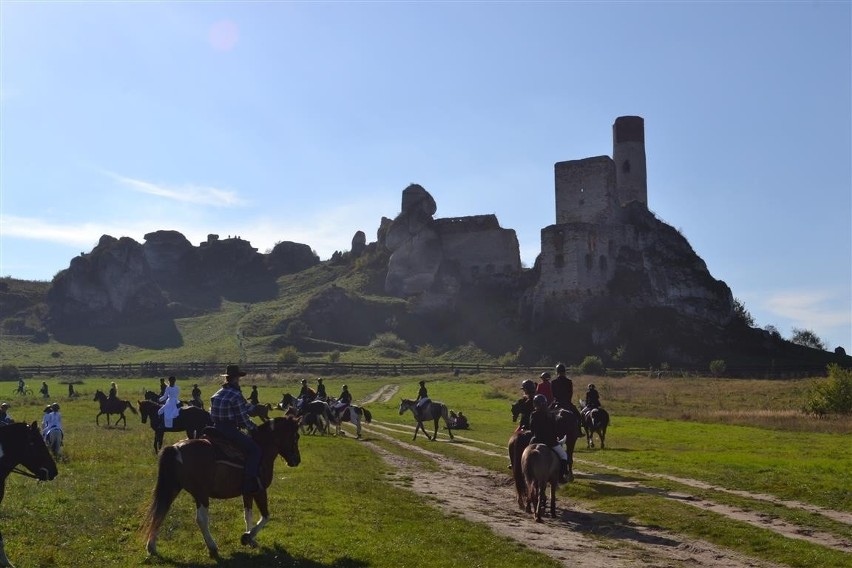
(304, 121)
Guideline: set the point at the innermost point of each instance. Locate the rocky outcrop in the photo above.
(359, 244)
(111, 285)
(288, 257)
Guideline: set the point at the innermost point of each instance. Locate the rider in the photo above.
(528, 386)
(545, 388)
(46, 418)
(54, 422)
(306, 394)
(344, 400)
(113, 391)
(229, 411)
(422, 396)
(170, 408)
(321, 395)
(253, 396)
(4, 414)
(544, 432)
(21, 385)
(563, 392)
(196, 395)
(43, 390)
(593, 399)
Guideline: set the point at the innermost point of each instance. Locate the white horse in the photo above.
(431, 410)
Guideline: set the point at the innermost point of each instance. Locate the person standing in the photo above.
(43, 390)
(229, 411)
(170, 410)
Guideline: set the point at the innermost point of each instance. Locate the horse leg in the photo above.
(552, 499)
(602, 435)
(203, 519)
(435, 433)
(263, 507)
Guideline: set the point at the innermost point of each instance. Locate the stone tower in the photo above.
(628, 153)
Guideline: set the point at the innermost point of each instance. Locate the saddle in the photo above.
(224, 449)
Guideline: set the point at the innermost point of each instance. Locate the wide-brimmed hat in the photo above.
(233, 371)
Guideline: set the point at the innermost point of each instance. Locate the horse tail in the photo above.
(131, 407)
(368, 416)
(165, 492)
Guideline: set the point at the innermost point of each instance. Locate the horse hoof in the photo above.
(248, 540)
(214, 553)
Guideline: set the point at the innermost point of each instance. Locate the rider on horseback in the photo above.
(4, 414)
(527, 406)
(422, 396)
(593, 399)
(229, 411)
(544, 387)
(51, 421)
(563, 392)
(544, 432)
(344, 400)
(306, 395)
(321, 394)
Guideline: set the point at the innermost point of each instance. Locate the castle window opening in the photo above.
(558, 261)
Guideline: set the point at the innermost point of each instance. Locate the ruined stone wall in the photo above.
(585, 189)
(628, 154)
(479, 247)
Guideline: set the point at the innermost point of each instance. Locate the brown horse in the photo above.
(191, 420)
(112, 406)
(595, 420)
(540, 465)
(22, 445)
(200, 467)
(567, 430)
(431, 411)
(261, 411)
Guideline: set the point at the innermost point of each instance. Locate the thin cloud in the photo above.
(190, 193)
(810, 309)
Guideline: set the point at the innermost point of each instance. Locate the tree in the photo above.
(773, 331)
(742, 314)
(807, 338)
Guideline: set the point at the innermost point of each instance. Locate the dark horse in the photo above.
(567, 428)
(200, 467)
(191, 420)
(431, 411)
(315, 413)
(112, 406)
(22, 445)
(595, 420)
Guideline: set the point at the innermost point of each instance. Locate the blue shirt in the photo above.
(229, 405)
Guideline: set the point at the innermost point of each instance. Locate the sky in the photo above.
(304, 121)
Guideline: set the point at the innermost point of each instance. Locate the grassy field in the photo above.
(338, 508)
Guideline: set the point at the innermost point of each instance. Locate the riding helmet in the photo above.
(545, 375)
(591, 386)
(55, 406)
(527, 386)
(345, 387)
(560, 368)
(540, 400)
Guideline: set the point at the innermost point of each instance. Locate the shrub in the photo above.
(427, 351)
(297, 329)
(592, 365)
(9, 373)
(510, 359)
(718, 367)
(288, 354)
(334, 356)
(807, 338)
(833, 396)
(389, 340)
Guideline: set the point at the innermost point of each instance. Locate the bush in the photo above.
(718, 367)
(334, 356)
(833, 396)
(807, 338)
(389, 340)
(427, 351)
(592, 365)
(9, 373)
(288, 355)
(297, 329)
(510, 359)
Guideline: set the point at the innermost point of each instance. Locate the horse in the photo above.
(53, 440)
(199, 467)
(191, 420)
(431, 411)
(21, 444)
(112, 406)
(260, 410)
(352, 414)
(315, 412)
(518, 408)
(595, 420)
(540, 466)
(567, 431)
(151, 395)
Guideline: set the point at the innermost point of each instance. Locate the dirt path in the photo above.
(384, 394)
(462, 471)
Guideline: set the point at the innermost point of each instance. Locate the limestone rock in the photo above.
(288, 257)
(359, 243)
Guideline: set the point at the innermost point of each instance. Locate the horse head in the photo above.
(517, 408)
(282, 434)
(405, 404)
(25, 445)
(99, 395)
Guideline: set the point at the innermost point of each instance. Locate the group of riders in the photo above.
(539, 401)
(307, 395)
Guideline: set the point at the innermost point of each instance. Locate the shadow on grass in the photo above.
(161, 334)
(612, 526)
(266, 556)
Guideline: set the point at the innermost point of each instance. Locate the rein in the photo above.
(25, 473)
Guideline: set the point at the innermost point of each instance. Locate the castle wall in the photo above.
(479, 247)
(585, 189)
